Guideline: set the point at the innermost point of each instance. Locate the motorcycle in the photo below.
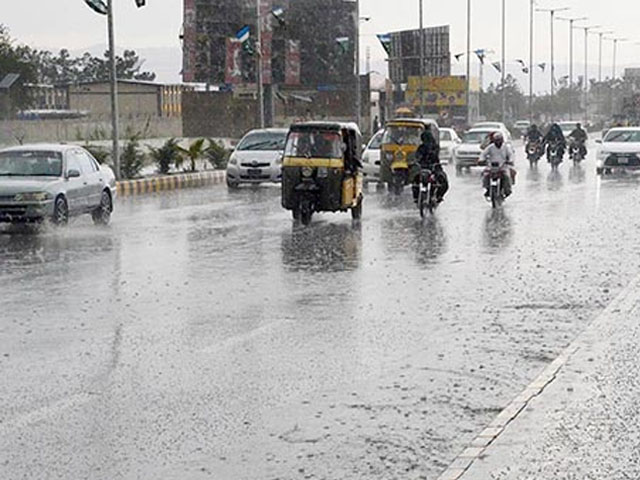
(555, 154)
(534, 152)
(427, 198)
(576, 152)
(496, 191)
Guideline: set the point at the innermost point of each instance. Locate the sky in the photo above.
(154, 29)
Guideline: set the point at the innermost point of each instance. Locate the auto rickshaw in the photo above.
(321, 170)
(401, 140)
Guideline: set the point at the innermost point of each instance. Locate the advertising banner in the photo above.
(292, 63)
(438, 91)
(233, 65)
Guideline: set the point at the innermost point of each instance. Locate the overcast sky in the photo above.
(56, 24)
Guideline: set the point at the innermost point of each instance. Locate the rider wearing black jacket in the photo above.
(580, 137)
(555, 137)
(428, 157)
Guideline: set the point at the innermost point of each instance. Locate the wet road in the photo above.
(201, 336)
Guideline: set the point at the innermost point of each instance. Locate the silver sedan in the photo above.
(39, 182)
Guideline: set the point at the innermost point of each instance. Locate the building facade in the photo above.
(312, 43)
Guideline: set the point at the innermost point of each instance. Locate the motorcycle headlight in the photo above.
(32, 197)
(307, 172)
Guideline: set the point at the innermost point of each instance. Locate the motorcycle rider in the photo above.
(498, 152)
(428, 157)
(580, 136)
(555, 137)
(533, 134)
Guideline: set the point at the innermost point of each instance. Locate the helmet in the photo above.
(497, 136)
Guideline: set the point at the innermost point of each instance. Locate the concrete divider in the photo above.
(128, 188)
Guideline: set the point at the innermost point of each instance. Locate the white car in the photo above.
(619, 150)
(257, 158)
(467, 154)
(567, 128)
(371, 158)
(449, 140)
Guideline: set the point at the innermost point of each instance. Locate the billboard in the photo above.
(438, 91)
(404, 54)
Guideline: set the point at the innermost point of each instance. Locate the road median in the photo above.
(143, 186)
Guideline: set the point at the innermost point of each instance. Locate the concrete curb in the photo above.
(143, 186)
(462, 463)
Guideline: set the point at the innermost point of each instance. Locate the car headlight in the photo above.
(279, 160)
(307, 172)
(32, 197)
(233, 160)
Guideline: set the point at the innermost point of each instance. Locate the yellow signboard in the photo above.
(438, 91)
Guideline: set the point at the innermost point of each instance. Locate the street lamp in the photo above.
(615, 53)
(586, 68)
(571, 22)
(102, 8)
(601, 35)
(552, 12)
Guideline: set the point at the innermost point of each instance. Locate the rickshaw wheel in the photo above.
(295, 213)
(305, 217)
(356, 212)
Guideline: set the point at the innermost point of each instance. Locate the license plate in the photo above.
(494, 183)
(254, 172)
(623, 160)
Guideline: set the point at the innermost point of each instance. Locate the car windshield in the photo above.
(31, 163)
(314, 144)
(375, 142)
(445, 136)
(623, 136)
(490, 125)
(568, 127)
(267, 141)
(402, 135)
(475, 138)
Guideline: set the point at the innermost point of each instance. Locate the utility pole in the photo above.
(259, 85)
(586, 70)
(115, 133)
(571, 27)
(615, 55)
(421, 6)
(468, 92)
(504, 61)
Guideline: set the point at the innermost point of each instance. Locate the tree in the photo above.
(14, 59)
(166, 155)
(491, 100)
(195, 151)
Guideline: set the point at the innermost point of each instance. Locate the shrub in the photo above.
(132, 158)
(195, 151)
(166, 156)
(101, 154)
(217, 155)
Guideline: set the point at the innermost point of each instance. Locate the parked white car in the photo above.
(371, 158)
(257, 158)
(449, 140)
(619, 150)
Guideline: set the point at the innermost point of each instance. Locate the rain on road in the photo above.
(202, 336)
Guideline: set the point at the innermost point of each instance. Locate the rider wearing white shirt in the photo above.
(498, 152)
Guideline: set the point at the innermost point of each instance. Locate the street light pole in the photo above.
(115, 134)
(586, 70)
(504, 61)
(615, 55)
(601, 35)
(531, 69)
(259, 66)
(552, 12)
(421, 6)
(571, 27)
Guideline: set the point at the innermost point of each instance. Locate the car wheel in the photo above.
(232, 185)
(102, 214)
(60, 212)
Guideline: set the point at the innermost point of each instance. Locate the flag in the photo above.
(542, 66)
(525, 70)
(98, 6)
(497, 66)
(481, 54)
(385, 41)
(343, 43)
(243, 34)
(521, 62)
(458, 56)
(278, 12)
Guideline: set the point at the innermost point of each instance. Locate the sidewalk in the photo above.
(580, 419)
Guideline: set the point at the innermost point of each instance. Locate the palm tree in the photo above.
(195, 151)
